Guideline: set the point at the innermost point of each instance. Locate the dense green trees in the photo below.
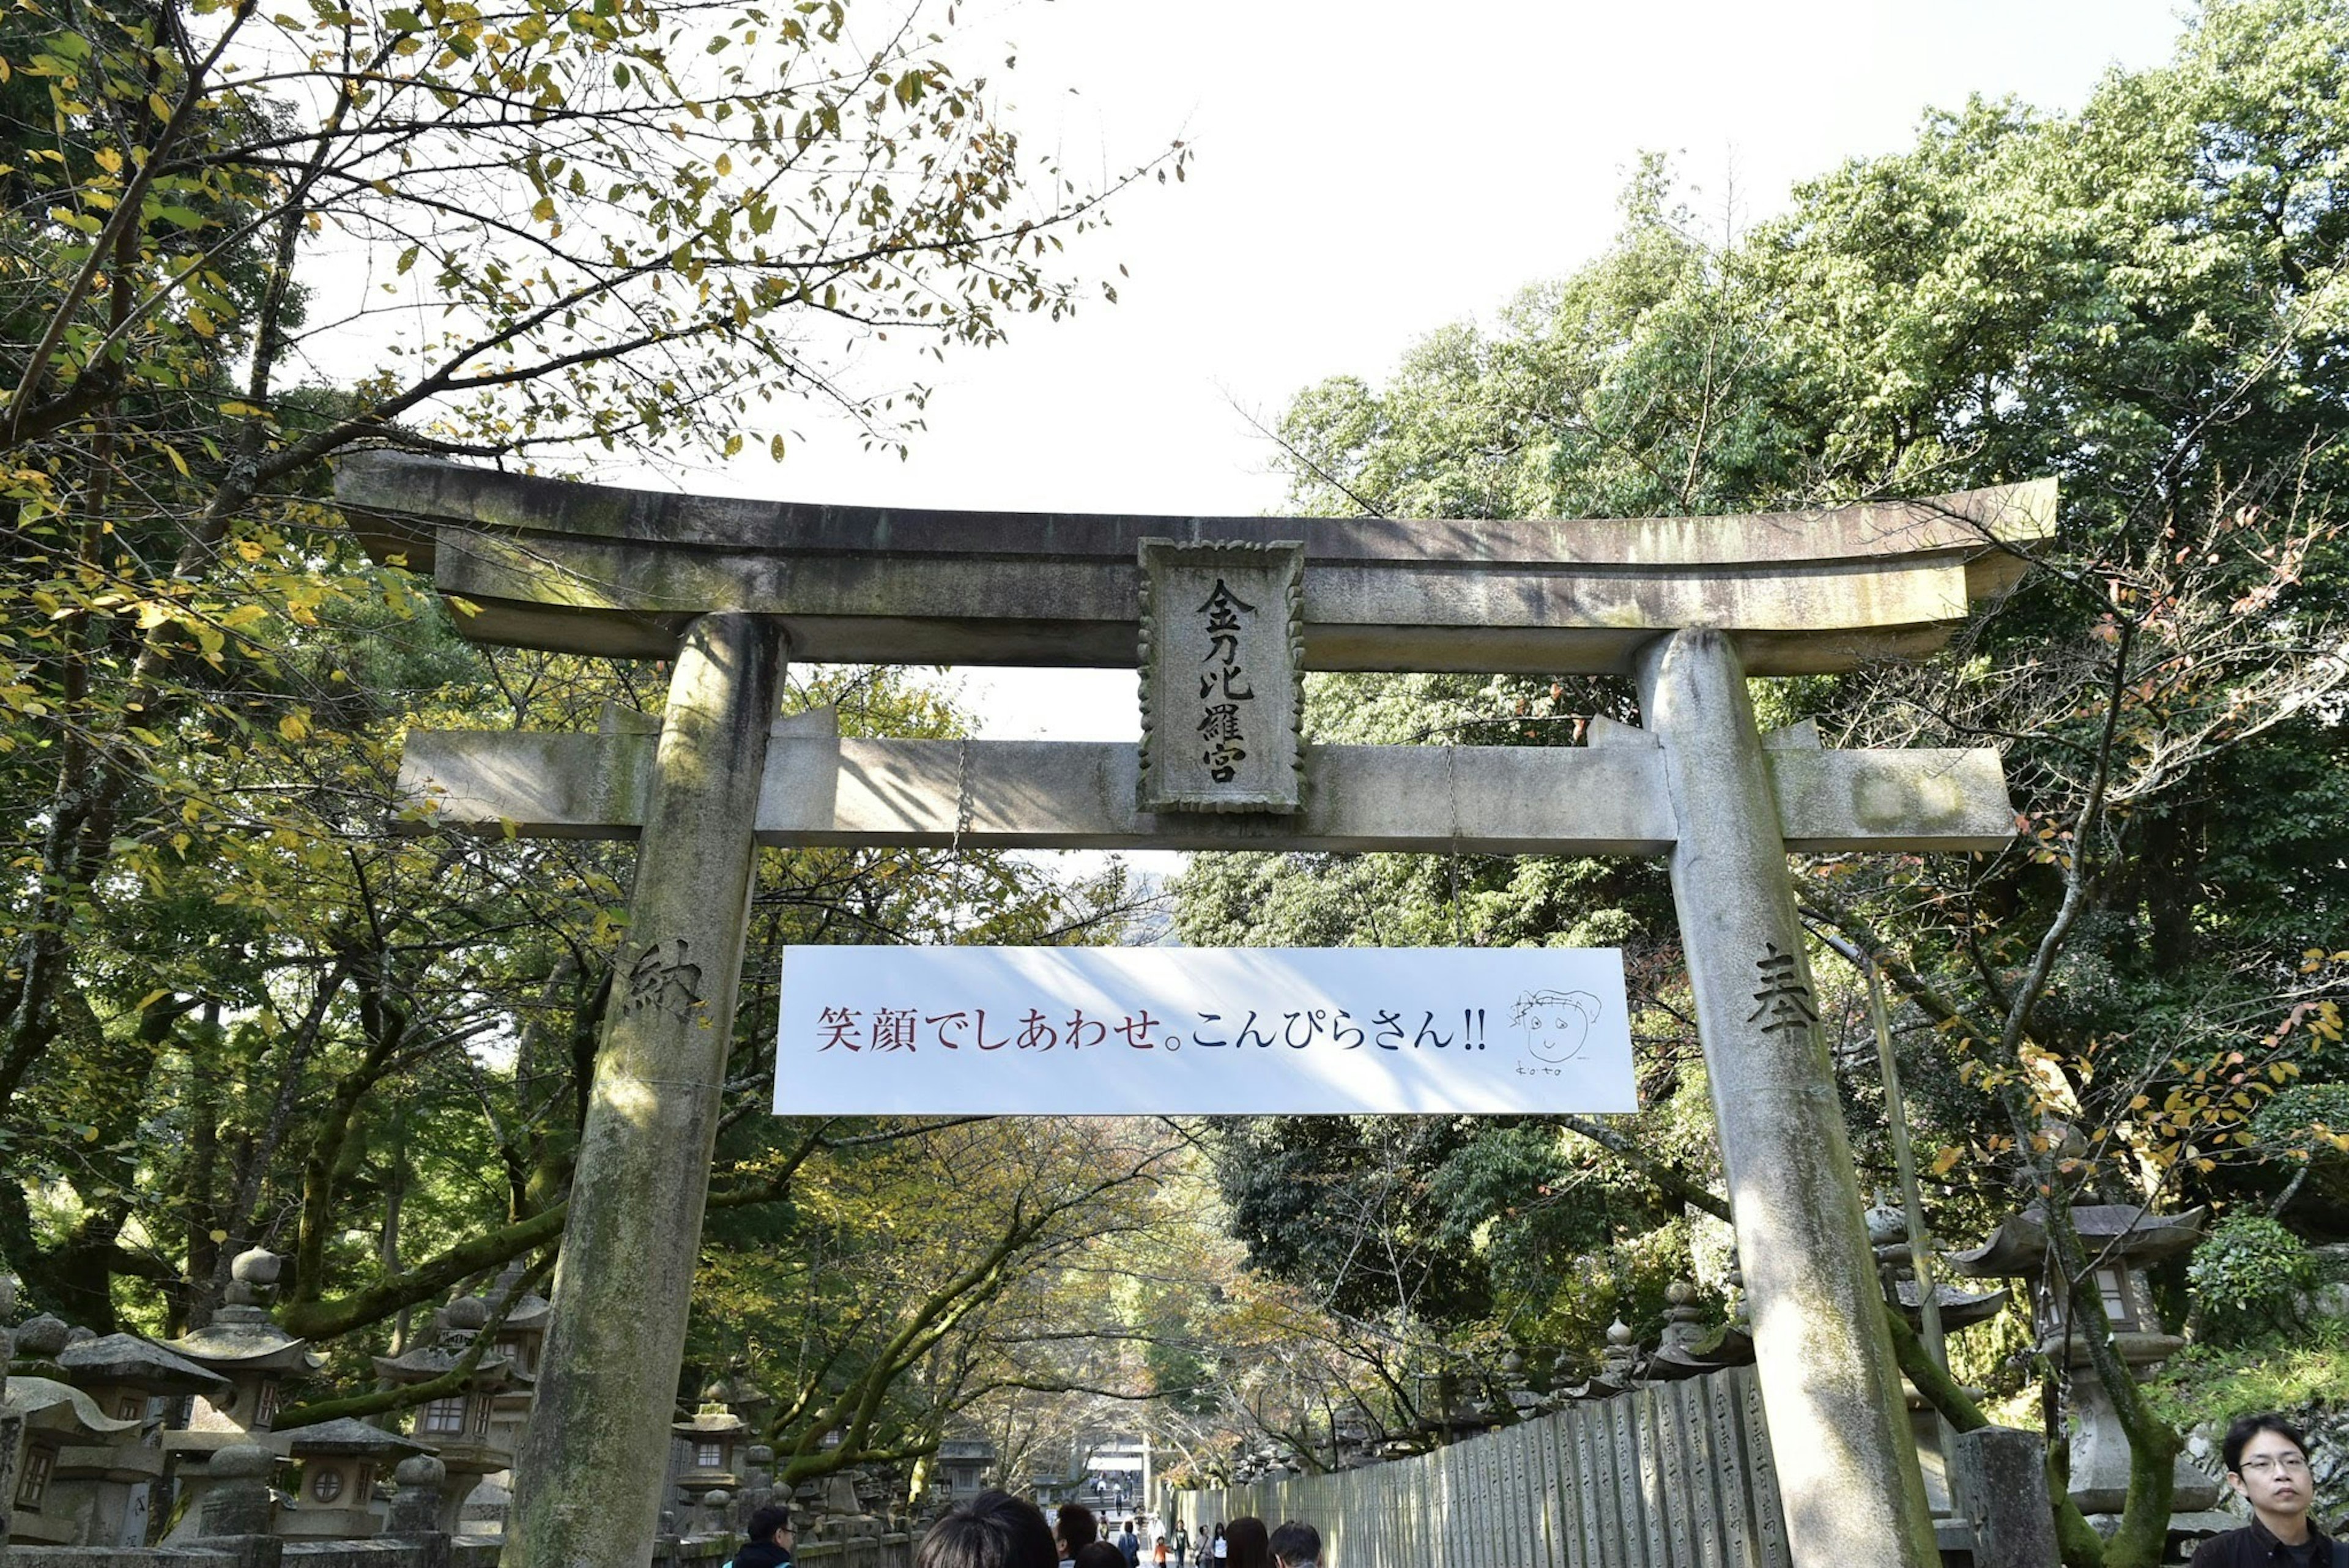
(242, 1004)
(2145, 299)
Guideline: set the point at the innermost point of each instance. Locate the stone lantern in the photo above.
(1687, 1348)
(1887, 1236)
(245, 1346)
(456, 1423)
(62, 1444)
(711, 1439)
(2125, 1240)
(1619, 1367)
(125, 1375)
(521, 1339)
(334, 1496)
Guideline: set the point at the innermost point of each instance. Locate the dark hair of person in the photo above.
(767, 1520)
(1078, 1526)
(1296, 1543)
(1097, 1554)
(2246, 1428)
(1250, 1547)
(993, 1530)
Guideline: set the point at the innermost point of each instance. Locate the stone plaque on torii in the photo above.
(728, 589)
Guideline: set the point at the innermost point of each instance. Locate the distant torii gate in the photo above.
(1689, 607)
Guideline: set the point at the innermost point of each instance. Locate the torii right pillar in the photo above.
(1830, 1387)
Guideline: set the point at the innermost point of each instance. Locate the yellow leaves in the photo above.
(1947, 1159)
(200, 322)
(543, 210)
(295, 726)
(107, 157)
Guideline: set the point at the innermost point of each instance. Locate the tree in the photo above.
(615, 226)
(2143, 299)
(240, 999)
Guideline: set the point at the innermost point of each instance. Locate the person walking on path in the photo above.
(1222, 1549)
(1182, 1544)
(2267, 1462)
(1158, 1551)
(1077, 1529)
(1130, 1546)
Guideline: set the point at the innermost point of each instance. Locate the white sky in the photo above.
(1365, 172)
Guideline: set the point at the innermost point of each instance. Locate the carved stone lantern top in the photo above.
(126, 1361)
(2125, 1234)
(242, 1338)
(346, 1436)
(458, 1324)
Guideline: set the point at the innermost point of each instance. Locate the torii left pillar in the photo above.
(587, 1482)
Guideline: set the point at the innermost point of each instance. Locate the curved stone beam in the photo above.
(587, 568)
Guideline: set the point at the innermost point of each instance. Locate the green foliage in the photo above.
(2306, 1117)
(2145, 299)
(2278, 1370)
(2245, 1275)
(250, 1000)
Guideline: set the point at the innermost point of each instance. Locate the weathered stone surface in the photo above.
(1848, 1472)
(595, 569)
(1046, 794)
(239, 1503)
(588, 1480)
(1223, 684)
(2002, 1474)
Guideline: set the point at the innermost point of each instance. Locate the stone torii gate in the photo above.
(729, 589)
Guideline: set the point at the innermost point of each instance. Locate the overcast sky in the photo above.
(1365, 172)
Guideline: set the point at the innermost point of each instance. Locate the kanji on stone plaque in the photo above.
(1221, 650)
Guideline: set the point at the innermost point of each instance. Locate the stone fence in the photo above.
(429, 1552)
(1672, 1475)
(871, 1551)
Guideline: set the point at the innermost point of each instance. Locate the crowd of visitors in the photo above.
(995, 1530)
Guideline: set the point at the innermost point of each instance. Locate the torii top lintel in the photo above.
(589, 568)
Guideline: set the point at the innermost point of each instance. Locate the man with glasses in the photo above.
(769, 1545)
(2267, 1461)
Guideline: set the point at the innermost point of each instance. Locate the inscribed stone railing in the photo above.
(1674, 1475)
(890, 1552)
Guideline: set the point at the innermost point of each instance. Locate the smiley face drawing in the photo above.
(1557, 1023)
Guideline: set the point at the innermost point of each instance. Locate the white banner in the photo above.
(1200, 1032)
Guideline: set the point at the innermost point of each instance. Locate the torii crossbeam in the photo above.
(1687, 607)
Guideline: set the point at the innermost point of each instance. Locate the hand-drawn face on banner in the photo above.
(1557, 1024)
